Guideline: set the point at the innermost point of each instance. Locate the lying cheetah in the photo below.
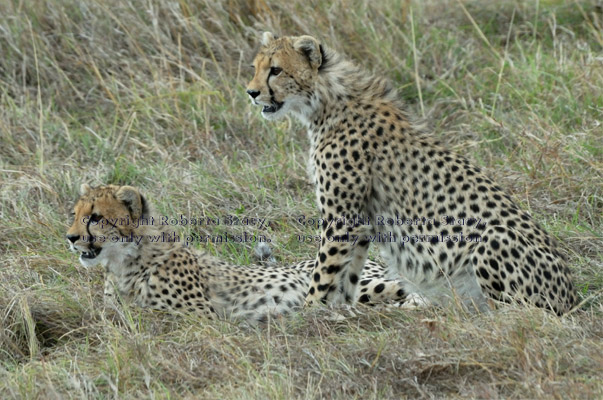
(441, 223)
(113, 227)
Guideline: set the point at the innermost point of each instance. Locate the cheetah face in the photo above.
(103, 227)
(285, 73)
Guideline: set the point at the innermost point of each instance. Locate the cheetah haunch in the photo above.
(111, 228)
(462, 236)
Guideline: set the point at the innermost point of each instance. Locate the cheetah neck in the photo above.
(130, 255)
(338, 84)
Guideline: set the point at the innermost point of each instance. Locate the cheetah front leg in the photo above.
(381, 291)
(341, 257)
(342, 185)
(110, 296)
(343, 249)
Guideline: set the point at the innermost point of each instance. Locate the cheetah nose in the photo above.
(253, 93)
(73, 238)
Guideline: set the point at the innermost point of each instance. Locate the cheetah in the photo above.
(440, 222)
(114, 227)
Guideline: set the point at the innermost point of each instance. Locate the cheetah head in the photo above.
(286, 70)
(103, 229)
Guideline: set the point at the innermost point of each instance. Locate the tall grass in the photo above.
(151, 93)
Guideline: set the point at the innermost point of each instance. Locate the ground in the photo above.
(152, 94)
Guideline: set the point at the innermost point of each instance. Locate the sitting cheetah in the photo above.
(114, 227)
(441, 223)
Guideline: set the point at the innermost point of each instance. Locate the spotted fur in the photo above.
(112, 228)
(369, 161)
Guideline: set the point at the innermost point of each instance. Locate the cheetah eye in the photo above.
(275, 71)
(95, 217)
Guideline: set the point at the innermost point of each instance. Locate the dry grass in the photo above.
(151, 93)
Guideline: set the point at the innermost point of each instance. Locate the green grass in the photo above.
(151, 94)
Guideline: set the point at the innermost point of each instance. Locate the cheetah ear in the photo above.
(84, 189)
(133, 200)
(309, 47)
(267, 38)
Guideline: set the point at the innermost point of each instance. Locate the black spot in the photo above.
(323, 288)
(333, 269)
(509, 267)
(427, 267)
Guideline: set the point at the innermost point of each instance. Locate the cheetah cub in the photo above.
(441, 223)
(114, 227)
